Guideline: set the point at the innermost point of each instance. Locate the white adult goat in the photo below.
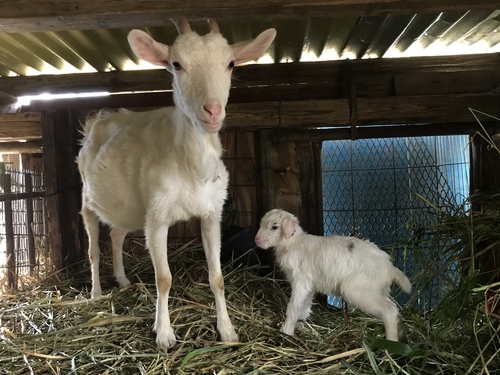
(355, 269)
(149, 170)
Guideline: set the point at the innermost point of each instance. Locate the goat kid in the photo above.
(349, 267)
(152, 169)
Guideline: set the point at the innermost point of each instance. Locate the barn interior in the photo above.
(371, 119)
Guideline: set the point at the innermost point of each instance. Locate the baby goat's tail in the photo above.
(400, 278)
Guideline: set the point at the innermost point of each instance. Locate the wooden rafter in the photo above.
(373, 77)
(45, 15)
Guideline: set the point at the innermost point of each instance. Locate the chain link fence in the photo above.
(380, 190)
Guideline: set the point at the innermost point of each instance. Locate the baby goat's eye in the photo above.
(274, 227)
(176, 65)
(231, 65)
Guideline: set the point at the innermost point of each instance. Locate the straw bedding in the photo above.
(53, 328)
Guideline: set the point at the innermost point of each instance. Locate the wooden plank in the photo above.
(382, 131)
(432, 83)
(20, 126)
(45, 15)
(335, 112)
(307, 183)
(267, 198)
(9, 235)
(8, 197)
(29, 222)
(31, 147)
(7, 102)
(63, 188)
(20, 117)
(374, 77)
(385, 110)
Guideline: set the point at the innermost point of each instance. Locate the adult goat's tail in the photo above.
(400, 278)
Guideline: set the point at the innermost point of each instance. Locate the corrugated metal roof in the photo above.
(327, 38)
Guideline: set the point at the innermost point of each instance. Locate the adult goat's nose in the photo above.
(213, 108)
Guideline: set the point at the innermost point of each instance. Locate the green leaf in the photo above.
(372, 359)
(399, 348)
(197, 352)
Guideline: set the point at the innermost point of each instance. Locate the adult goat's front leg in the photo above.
(211, 232)
(156, 241)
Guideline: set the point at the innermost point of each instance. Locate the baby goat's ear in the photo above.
(289, 227)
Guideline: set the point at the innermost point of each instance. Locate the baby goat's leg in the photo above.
(91, 223)
(306, 307)
(156, 241)
(298, 307)
(383, 308)
(117, 237)
(210, 234)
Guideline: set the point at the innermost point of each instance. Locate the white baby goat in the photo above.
(149, 170)
(349, 267)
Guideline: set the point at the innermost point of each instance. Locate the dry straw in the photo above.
(54, 328)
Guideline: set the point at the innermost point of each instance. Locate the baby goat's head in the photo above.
(201, 67)
(276, 227)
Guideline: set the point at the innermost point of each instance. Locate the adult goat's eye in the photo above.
(274, 227)
(176, 65)
(231, 65)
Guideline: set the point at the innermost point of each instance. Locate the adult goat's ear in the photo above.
(253, 49)
(148, 49)
(289, 226)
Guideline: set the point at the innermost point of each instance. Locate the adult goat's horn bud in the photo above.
(213, 26)
(182, 24)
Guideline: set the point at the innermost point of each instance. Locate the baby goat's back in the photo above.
(331, 264)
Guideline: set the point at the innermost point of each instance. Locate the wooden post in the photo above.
(28, 183)
(318, 187)
(63, 186)
(9, 234)
(265, 145)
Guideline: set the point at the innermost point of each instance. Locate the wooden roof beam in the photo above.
(369, 72)
(45, 15)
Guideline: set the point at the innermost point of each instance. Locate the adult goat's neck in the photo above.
(202, 151)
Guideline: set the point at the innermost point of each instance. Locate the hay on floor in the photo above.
(55, 329)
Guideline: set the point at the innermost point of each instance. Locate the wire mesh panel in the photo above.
(380, 189)
(30, 255)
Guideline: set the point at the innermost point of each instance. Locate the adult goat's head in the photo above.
(201, 66)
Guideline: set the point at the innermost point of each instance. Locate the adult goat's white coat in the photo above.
(349, 267)
(149, 170)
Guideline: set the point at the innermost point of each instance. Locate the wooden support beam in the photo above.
(30, 221)
(63, 187)
(20, 126)
(382, 131)
(327, 113)
(44, 15)
(374, 77)
(9, 235)
(371, 111)
(7, 102)
(31, 147)
(8, 197)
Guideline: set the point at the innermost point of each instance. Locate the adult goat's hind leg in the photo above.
(117, 237)
(156, 241)
(210, 233)
(91, 222)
